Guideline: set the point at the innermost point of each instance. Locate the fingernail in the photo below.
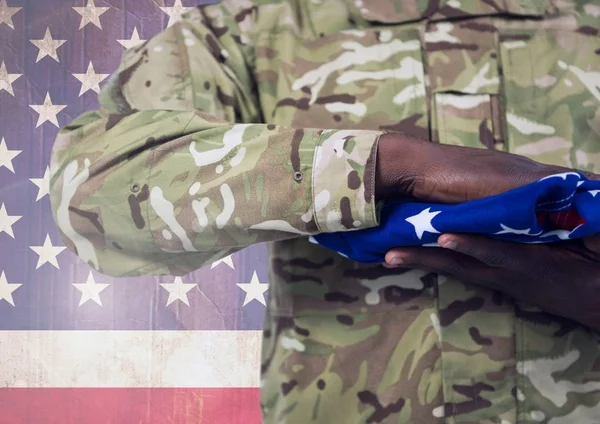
(396, 260)
(448, 244)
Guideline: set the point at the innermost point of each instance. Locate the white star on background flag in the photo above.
(178, 290)
(6, 14)
(48, 111)
(175, 12)
(47, 253)
(422, 222)
(135, 40)
(6, 156)
(90, 80)
(43, 184)
(6, 289)
(254, 290)
(592, 192)
(47, 46)
(6, 79)
(226, 260)
(7, 221)
(90, 14)
(90, 290)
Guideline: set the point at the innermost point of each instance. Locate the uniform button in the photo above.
(135, 188)
(298, 176)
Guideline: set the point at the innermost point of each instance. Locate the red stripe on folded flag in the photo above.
(564, 220)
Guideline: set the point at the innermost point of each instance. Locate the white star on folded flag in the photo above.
(134, 41)
(6, 289)
(175, 12)
(422, 222)
(6, 79)
(564, 175)
(178, 290)
(226, 260)
(254, 290)
(47, 46)
(6, 156)
(90, 14)
(43, 184)
(508, 230)
(594, 192)
(90, 80)
(47, 253)
(7, 221)
(90, 290)
(561, 234)
(48, 111)
(6, 14)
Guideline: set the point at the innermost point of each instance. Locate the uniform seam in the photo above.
(149, 198)
(184, 59)
(441, 347)
(313, 183)
(373, 199)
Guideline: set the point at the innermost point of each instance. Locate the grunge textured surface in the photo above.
(256, 121)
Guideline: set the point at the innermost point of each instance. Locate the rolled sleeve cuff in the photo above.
(343, 180)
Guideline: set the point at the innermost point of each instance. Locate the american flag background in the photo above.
(77, 346)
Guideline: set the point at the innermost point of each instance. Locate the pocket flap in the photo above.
(399, 11)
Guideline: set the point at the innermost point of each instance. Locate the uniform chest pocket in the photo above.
(552, 94)
(465, 83)
(357, 79)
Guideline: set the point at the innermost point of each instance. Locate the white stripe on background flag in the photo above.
(129, 359)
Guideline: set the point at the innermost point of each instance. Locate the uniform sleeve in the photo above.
(176, 169)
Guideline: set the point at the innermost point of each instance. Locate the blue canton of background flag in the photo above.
(556, 208)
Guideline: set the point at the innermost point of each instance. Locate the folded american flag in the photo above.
(559, 207)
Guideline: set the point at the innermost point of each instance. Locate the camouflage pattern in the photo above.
(258, 121)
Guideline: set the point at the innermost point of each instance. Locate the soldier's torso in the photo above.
(346, 343)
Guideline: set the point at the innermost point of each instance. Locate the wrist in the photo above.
(394, 166)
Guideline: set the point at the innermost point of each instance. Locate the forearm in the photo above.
(163, 186)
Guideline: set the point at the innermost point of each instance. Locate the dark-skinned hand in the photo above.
(437, 173)
(561, 278)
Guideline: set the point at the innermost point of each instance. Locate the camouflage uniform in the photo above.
(254, 121)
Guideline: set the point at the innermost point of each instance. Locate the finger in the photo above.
(438, 260)
(482, 173)
(590, 175)
(494, 253)
(593, 243)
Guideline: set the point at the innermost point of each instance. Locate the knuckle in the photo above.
(496, 259)
(452, 267)
(590, 175)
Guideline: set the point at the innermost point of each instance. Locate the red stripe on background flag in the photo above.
(130, 377)
(129, 406)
